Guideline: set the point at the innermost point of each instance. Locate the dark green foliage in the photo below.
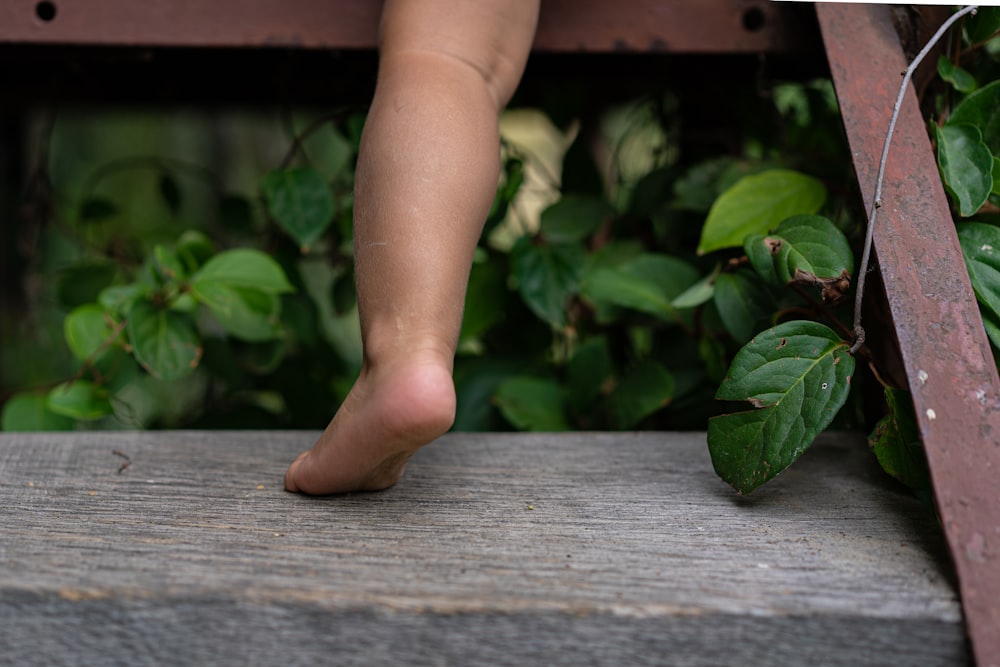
(300, 201)
(896, 443)
(629, 302)
(796, 377)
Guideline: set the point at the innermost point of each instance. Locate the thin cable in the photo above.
(859, 331)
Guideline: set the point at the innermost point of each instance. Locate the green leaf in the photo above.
(981, 248)
(87, 330)
(119, 299)
(897, 445)
(30, 412)
(531, 404)
(574, 218)
(981, 109)
(646, 388)
(806, 249)
(797, 376)
(588, 370)
(966, 166)
(609, 256)
(547, 276)
(79, 400)
(168, 264)
(996, 176)
(960, 79)
(744, 304)
(699, 293)
(300, 201)
(648, 283)
(246, 313)
(243, 267)
(756, 204)
(991, 323)
(194, 249)
(164, 342)
(983, 24)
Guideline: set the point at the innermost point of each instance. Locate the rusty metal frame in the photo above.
(679, 26)
(949, 367)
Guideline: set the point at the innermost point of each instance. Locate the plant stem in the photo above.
(859, 331)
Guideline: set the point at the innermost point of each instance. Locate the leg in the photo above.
(426, 176)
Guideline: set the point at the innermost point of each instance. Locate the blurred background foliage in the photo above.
(570, 317)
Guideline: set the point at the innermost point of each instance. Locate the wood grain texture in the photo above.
(575, 549)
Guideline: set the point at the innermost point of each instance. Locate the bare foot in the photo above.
(388, 415)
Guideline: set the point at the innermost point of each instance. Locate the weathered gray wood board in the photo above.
(575, 549)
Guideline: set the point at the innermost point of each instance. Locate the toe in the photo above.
(291, 475)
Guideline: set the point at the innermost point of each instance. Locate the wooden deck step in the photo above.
(513, 549)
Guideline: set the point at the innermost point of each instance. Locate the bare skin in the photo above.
(426, 176)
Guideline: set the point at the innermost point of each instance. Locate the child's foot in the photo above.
(388, 415)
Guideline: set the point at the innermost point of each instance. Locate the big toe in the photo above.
(292, 474)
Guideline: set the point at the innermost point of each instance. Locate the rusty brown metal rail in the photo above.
(679, 26)
(949, 366)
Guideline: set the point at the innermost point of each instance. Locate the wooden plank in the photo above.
(570, 549)
(695, 26)
(950, 368)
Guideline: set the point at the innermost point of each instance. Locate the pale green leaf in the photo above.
(960, 79)
(699, 293)
(79, 400)
(246, 313)
(756, 204)
(87, 330)
(243, 267)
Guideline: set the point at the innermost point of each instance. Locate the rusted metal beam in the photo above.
(949, 366)
(680, 26)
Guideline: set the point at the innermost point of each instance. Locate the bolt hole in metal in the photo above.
(45, 11)
(753, 19)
